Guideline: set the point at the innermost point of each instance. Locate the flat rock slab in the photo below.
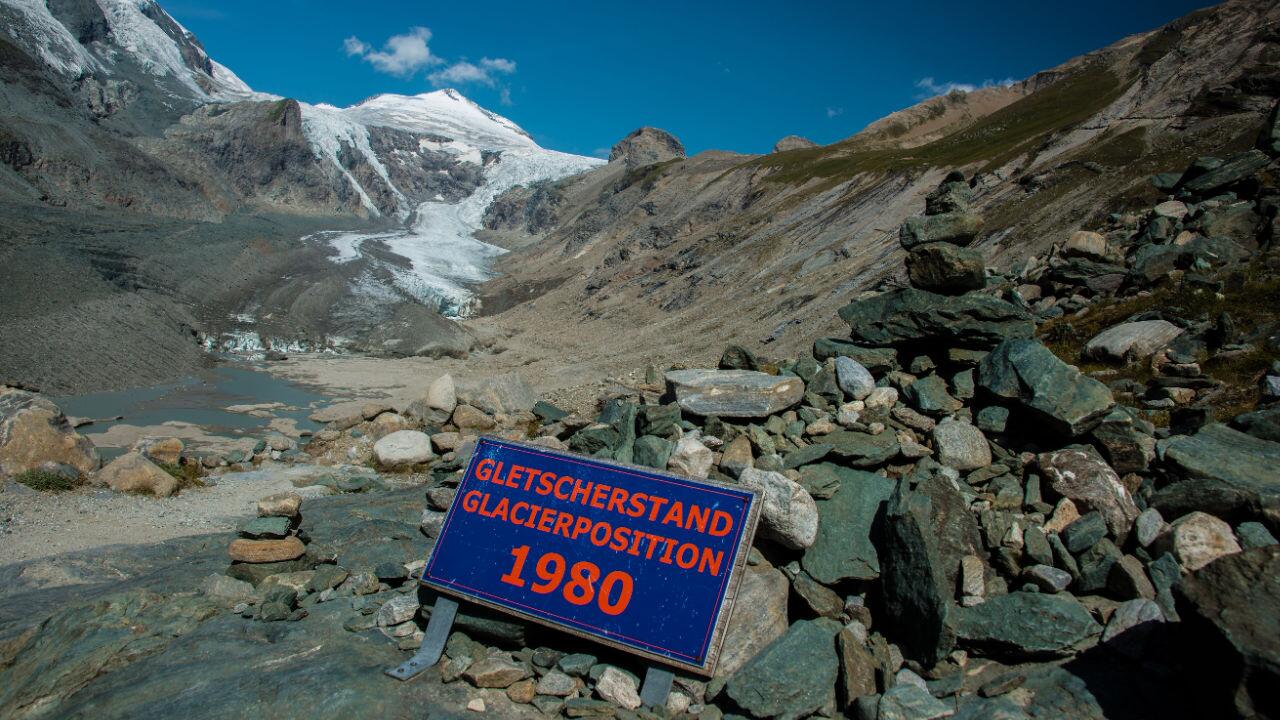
(1132, 341)
(1028, 375)
(734, 393)
(1223, 472)
(265, 551)
(1025, 625)
(912, 317)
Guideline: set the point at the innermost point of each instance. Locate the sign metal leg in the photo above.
(656, 686)
(433, 641)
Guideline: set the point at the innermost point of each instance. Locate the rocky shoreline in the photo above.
(957, 522)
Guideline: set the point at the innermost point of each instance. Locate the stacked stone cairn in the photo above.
(938, 257)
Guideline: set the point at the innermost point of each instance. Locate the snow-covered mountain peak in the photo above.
(443, 112)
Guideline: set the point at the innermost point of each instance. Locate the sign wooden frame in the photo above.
(731, 585)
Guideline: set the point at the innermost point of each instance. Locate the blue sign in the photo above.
(641, 560)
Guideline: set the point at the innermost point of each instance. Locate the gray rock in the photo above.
(646, 146)
(1131, 341)
(619, 688)
(961, 445)
(906, 701)
(1233, 170)
(787, 513)
(1197, 539)
(946, 269)
(734, 393)
(506, 393)
(690, 458)
(1027, 374)
(912, 317)
(917, 593)
(1254, 535)
(576, 664)
(1081, 475)
(1232, 610)
(759, 617)
(793, 142)
(1048, 578)
(1149, 526)
(861, 449)
(929, 395)
(403, 448)
(844, 548)
(651, 451)
(875, 359)
(1223, 472)
(794, 676)
(227, 589)
(855, 380)
(1025, 626)
(957, 228)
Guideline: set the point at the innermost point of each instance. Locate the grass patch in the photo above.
(993, 140)
(46, 481)
(187, 474)
(1251, 305)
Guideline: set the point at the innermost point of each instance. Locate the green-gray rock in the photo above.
(959, 228)
(1233, 170)
(944, 268)
(917, 595)
(652, 451)
(1231, 610)
(930, 396)
(1263, 423)
(845, 548)
(912, 317)
(861, 449)
(821, 480)
(793, 676)
(1027, 375)
(805, 455)
(1025, 626)
(660, 420)
(266, 527)
(1223, 472)
(875, 359)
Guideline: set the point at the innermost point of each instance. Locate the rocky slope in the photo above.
(673, 259)
(118, 118)
(956, 521)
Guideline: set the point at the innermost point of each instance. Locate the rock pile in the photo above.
(938, 259)
(270, 543)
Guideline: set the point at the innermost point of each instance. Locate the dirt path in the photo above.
(35, 525)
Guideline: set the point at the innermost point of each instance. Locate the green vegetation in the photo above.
(645, 176)
(993, 140)
(46, 481)
(187, 474)
(1250, 304)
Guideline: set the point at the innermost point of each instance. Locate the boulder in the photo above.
(266, 551)
(33, 431)
(646, 146)
(1027, 375)
(1080, 474)
(793, 142)
(913, 317)
(854, 379)
(437, 404)
(960, 445)
(468, 418)
(946, 269)
(915, 588)
(860, 449)
(1233, 170)
(1231, 611)
(1085, 244)
(1197, 539)
(930, 395)
(498, 394)
(619, 688)
(957, 228)
(132, 472)
(788, 514)
(844, 547)
(691, 458)
(1025, 626)
(160, 450)
(952, 196)
(734, 393)
(759, 617)
(1223, 472)
(285, 504)
(792, 677)
(1131, 341)
(403, 449)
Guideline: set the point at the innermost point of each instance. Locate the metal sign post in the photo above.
(433, 641)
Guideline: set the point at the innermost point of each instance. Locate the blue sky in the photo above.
(725, 75)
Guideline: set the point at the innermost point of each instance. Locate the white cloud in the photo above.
(401, 55)
(832, 112)
(933, 88)
(465, 73)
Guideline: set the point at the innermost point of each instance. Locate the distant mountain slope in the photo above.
(690, 254)
(114, 111)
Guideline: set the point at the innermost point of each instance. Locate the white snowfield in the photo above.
(437, 237)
